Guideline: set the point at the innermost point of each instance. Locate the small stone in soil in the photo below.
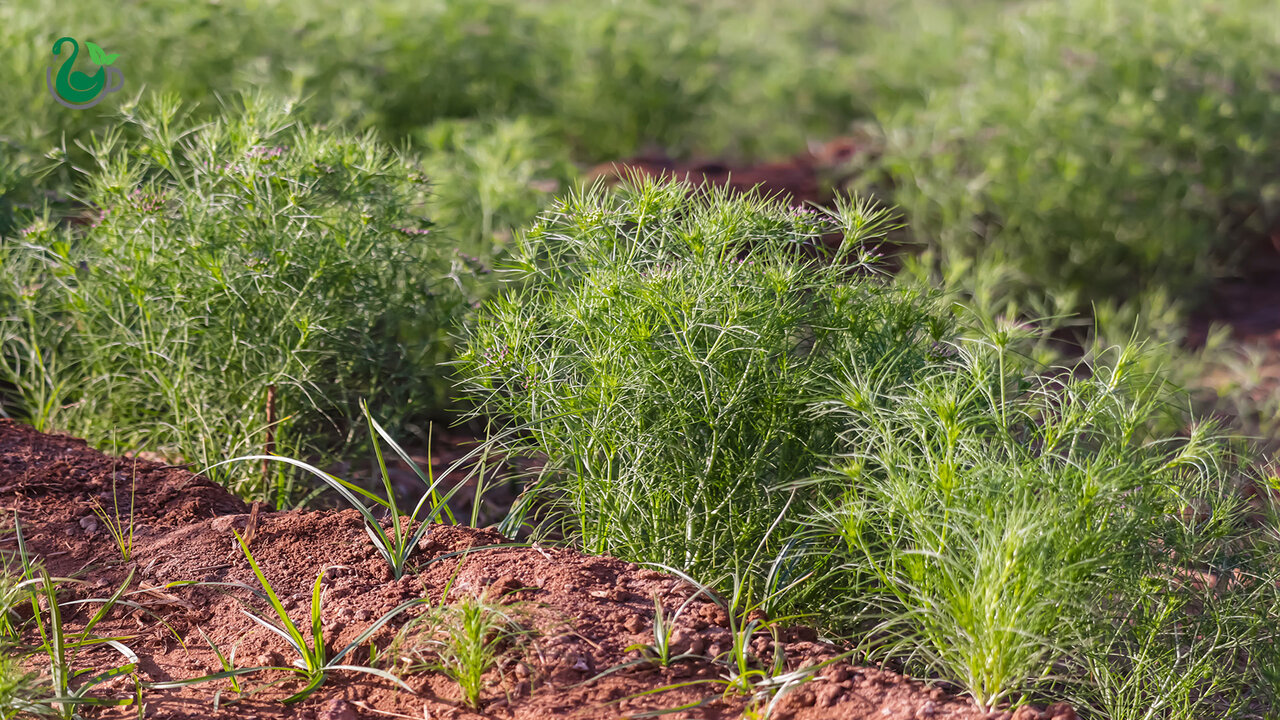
(337, 709)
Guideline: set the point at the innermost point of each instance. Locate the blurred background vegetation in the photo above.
(1100, 160)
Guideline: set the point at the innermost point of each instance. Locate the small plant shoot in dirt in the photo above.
(462, 639)
(120, 533)
(396, 547)
(314, 663)
(743, 671)
(659, 651)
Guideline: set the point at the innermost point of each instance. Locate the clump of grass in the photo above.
(463, 639)
(12, 593)
(20, 694)
(61, 646)
(239, 285)
(660, 345)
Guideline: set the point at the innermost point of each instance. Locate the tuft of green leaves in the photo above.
(659, 346)
(236, 285)
(100, 56)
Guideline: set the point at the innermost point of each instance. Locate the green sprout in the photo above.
(314, 663)
(396, 547)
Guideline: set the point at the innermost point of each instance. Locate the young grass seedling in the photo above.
(466, 639)
(659, 651)
(56, 642)
(11, 595)
(314, 663)
(228, 662)
(60, 645)
(396, 547)
(116, 526)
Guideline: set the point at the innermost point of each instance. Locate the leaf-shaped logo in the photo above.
(100, 56)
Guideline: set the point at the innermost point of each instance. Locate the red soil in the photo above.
(582, 612)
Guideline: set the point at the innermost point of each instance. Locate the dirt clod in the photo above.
(337, 709)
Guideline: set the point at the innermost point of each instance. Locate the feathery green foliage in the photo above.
(712, 393)
(462, 639)
(660, 346)
(237, 286)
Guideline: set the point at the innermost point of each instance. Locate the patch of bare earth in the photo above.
(581, 612)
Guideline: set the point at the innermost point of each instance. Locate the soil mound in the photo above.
(579, 614)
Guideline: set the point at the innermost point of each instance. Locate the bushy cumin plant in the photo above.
(237, 287)
(1002, 522)
(661, 344)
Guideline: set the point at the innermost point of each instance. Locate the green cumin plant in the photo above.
(999, 520)
(1091, 150)
(462, 639)
(922, 481)
(468, 637)
(232, 287)
(659, 346)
